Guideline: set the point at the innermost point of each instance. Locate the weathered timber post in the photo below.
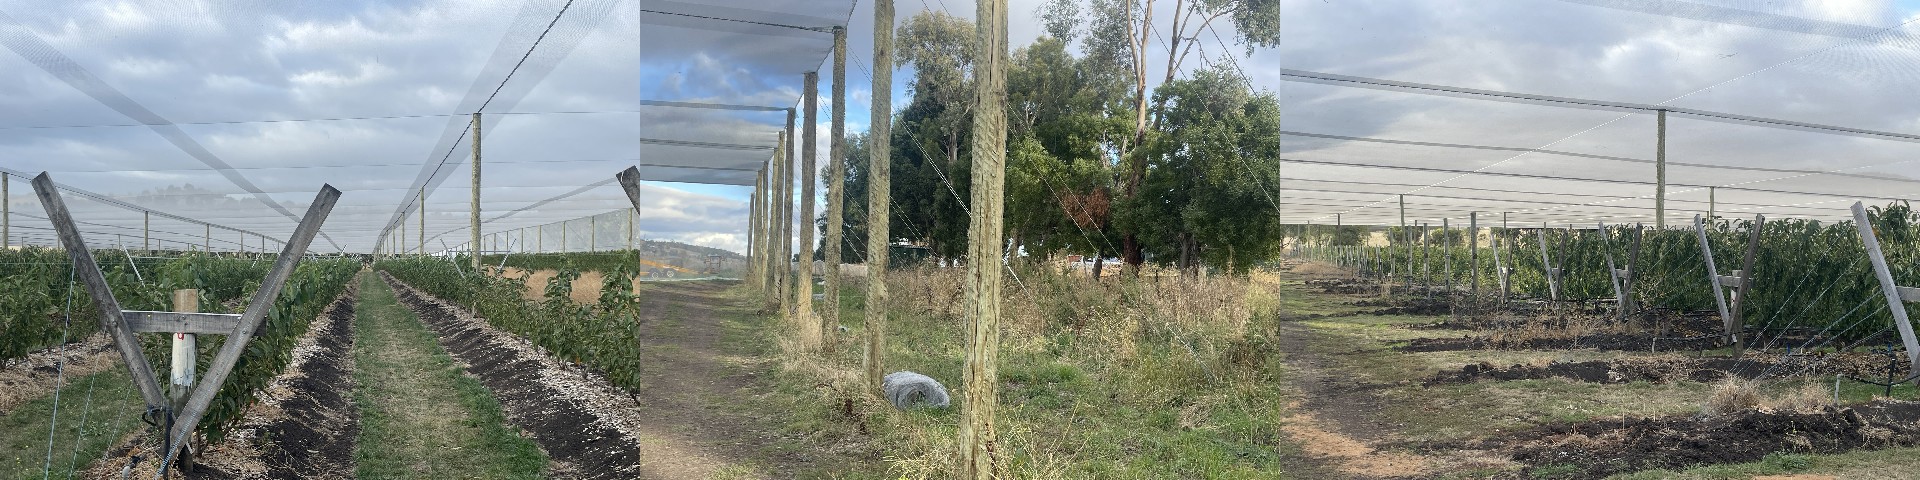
(1897, 296)
(809, 326)
(121, 325)
(207, 238)
(1660, 172)
(1473, 253)
(978, 443)
(1502, 273)
(593, 233)
(186, 356)
(1407, 236)
(1633, 266)
(6, 211)
(788, 290)
(1710, 202)
(1426, 267)
(1732, 327)
(1546, 265)
(473, 219)
(1446, 234)
(836, 189)
(759, 219)
(421, 243)
(879, 190)
(1621, 278)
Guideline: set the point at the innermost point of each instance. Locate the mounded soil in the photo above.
(1608, 446)
(1672, 369)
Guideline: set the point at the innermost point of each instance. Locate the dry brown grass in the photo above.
(1732, 396)
(1738, 395)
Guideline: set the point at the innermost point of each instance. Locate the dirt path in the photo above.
(1339, 421)
(688, 427)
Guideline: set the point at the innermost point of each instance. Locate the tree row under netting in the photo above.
(1805, 276)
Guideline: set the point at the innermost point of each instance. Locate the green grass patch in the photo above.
(88, 425)
(420, 417)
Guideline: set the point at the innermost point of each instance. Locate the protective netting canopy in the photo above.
(1547, 110)
(212, 125)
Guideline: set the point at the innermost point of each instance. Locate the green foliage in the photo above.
(1805, 273)
(601, 337)
(1210, 189)
(40, 303)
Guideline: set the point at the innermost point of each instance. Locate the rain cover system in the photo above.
(189, 126)
(1548, 110)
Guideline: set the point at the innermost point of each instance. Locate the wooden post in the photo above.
(836, 189)
(421, 242)
(207, 238)
(1746, 280)
(631, 226)
(1546, 265)
(473, 221)
(756, 228)
(6, 211)
(1633, 267)
(1710, 203)
(1660, 172)
(593, 233)
(1473, 252)
(879, 190)
(1446, 234)
(186, 356)
(146, 231)
(809, 326)
(783, 216)
(1426, 267)
(1500, 270)
(978, 443)
(1897, 296)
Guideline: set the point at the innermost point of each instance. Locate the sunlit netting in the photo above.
(1779, 108)
(211, 127)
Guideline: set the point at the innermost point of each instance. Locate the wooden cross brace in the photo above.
(1551, 270)
(1622, 278)
(1732, 326)
(1897, 296)
(121, 325)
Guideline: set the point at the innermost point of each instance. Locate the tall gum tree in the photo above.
(1122, 34)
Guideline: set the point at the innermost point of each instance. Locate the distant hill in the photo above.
(692, 256)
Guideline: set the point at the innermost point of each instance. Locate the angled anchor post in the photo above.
(1733, 328)
(1897, 296)
(121, 325)
(1622, 278)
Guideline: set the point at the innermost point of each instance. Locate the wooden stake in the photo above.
(473, 220)
(879, 190)
(978, 444)
(186, 356)
(1660, 172)
(836, 189)
(809, 326)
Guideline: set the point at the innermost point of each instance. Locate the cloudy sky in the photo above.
(1837, 66)
(235, 113)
